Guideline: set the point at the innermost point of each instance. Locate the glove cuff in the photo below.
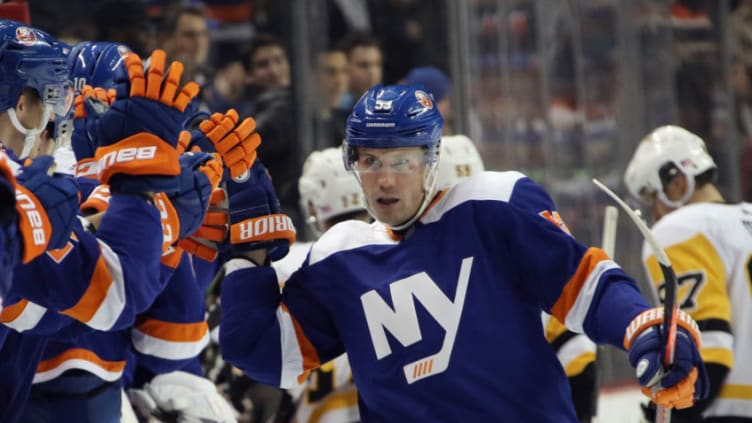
(87, 168)
(655, 317)
(263, 228)
(139, 155)
(169, 218)
(98, 201)
(33, 224)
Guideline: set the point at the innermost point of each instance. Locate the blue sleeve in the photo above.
(580, 286)
(103, 280)
(249, 332)
(172, 332)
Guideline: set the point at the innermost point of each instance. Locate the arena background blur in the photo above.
(560, 89)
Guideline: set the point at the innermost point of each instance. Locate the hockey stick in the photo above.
(670, 311)
(608, 241)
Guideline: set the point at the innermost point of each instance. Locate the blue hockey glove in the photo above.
(89, 106)
(47, 207)
(138, 135)
(200, 175)
(686, 379)
(255, 218)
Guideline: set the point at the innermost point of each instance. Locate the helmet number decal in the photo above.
(383, 105)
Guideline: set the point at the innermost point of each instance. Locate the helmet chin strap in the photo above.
(30, 135)
(683, 200)
(429, 189)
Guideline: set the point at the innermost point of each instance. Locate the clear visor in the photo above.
(398, 161)
(59, 97)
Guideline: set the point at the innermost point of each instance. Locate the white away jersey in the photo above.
(710, 247)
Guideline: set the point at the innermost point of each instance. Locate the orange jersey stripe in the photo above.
(571, 290)
(175, 332)
(11, 312)
(307, 351)
(95, 294)
(81, 354)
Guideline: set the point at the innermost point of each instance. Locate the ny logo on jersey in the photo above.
(402, 322)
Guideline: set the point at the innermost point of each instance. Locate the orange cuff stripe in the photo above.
(80, 354)
(94, 296)
(139, 154)
(572, 288)
(175, 332)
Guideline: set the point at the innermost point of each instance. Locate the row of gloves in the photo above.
(132, 139)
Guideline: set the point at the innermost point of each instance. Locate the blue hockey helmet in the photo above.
(31, 58)
(395, 116)
(96, 63)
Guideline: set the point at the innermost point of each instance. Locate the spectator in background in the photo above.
(187, 40)
(412, 31)
(365, 64)
(331, 84)
(269, 76)
(346, 16)
(438, 84)
(228, 88)
(125, 21)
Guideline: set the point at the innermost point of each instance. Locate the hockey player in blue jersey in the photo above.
(479, 264)
(82, 377)
(111, 277)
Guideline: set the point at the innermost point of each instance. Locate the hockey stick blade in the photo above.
(670, 311)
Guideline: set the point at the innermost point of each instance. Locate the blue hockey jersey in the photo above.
(440, 325)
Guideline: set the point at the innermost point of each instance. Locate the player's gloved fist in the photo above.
(200, 175)
(685, 380)
(213, 230)
(138, 135)
(182, 397)
(46, 206)
(255, 218)
(236, 142)
(89, 106)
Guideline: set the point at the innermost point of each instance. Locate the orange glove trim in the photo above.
(33, 224)
(213, 169)
(678, 396)
(263, 228)
(197, 248)
(87, 168)
(171, 257)
(139, 154)
(99, 199)
(653, 317)
(169, 218)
